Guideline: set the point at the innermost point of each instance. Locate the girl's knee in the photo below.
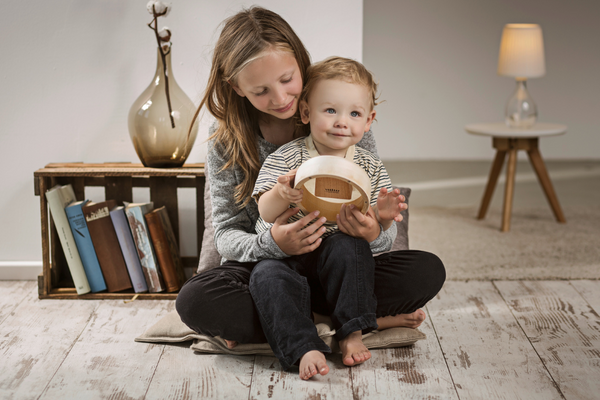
(434, 269)
(189, 304)
(204, 294)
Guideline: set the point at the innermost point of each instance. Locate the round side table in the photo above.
(508, 141)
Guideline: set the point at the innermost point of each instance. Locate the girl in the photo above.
(258, 69)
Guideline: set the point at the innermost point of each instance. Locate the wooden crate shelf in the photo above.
(118, 180)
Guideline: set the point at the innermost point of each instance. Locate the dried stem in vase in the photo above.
(164, 62)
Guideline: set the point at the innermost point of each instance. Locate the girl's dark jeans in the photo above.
(218, 302)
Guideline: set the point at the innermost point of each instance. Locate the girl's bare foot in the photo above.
(353, 349)
(311, 363)
(230, 343)
(412, 320)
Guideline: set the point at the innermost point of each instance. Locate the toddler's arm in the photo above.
(273, 203)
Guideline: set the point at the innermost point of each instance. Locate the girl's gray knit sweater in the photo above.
(235, 237)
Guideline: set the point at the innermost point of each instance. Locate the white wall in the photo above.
(436, 62)
(71, 70)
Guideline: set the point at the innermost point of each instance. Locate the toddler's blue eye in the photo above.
(330, 111)
(355, 114)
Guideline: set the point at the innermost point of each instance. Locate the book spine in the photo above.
(85, 247)
(139, 231)
(162, 251)
(129, 250)
(107, 246)
(176, 255)
(57, 210)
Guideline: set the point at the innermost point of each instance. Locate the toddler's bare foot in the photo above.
(412, 320)
(353, 349)
(311, 363)
(230, 343)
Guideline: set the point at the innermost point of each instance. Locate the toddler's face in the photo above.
(339, 113)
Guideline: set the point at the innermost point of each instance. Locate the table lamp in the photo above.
(521, 56)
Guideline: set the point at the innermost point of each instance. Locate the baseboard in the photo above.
(482, 180)
(20, 270)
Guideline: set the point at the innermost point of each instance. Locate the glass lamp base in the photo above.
(521, 111)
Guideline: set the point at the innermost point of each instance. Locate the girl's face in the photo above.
(272, 83)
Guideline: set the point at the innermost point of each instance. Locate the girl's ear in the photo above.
(370, 119)
(304, 112)
(237, 89)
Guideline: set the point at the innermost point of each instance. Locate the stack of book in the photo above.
(116, 248)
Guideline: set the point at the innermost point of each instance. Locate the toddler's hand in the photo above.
(285, 189)
(390, 204)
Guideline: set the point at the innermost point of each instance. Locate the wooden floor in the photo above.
(486, 340)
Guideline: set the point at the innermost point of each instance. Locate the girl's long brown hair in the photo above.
(244, 37)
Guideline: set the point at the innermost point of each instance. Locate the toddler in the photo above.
(337, 277)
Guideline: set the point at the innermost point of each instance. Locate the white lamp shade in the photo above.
(522, 51)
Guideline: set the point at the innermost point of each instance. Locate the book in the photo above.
(58, 198)
(166, 248)
(104, 238)
(139, 230)
(85, 246)
(119, 220)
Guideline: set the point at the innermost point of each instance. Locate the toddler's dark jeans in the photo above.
(336, 279)
(218, 302)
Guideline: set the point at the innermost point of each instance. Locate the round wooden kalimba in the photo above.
(329, 182)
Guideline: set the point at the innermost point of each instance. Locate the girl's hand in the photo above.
(285, 190)
(298, 238)
(389, 205)
(352, 222)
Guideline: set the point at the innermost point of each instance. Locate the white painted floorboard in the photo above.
(35, 339)
(564, 330)
(414, 372)
(181, 374)
(105, 362)
(485, 340)
(488, 354)
(11, 295)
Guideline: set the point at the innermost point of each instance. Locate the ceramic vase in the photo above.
(160, 131)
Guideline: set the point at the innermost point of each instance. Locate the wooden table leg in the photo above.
(540, 169)
(511, 168)
(491, 184)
